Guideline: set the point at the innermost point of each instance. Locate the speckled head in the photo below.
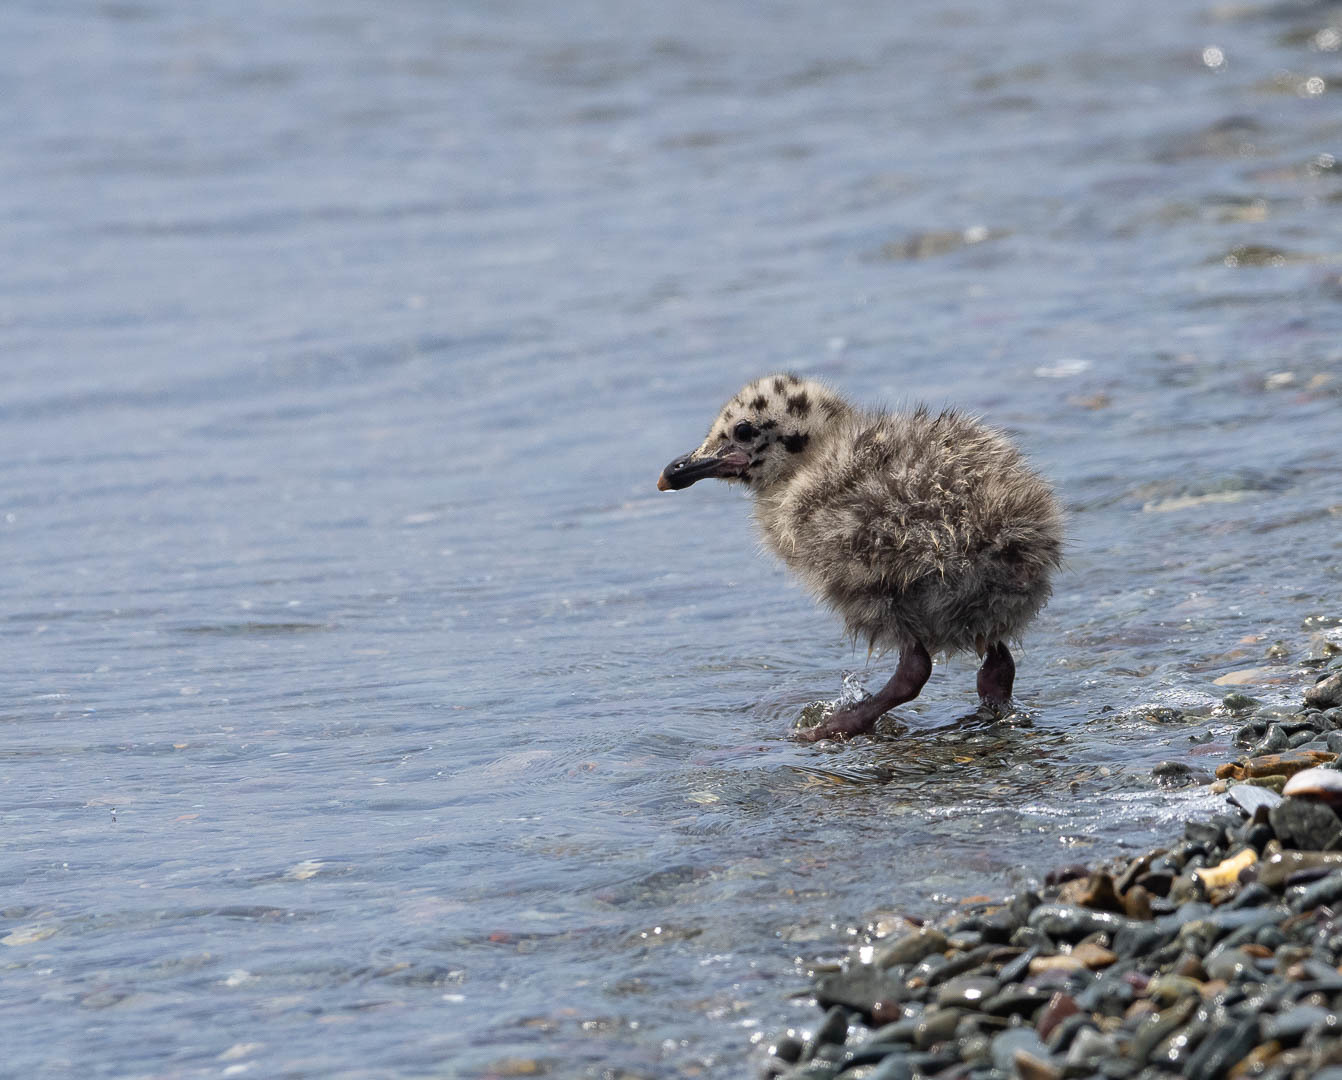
(762, 435)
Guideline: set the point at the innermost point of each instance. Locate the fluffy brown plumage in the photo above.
(926, 532)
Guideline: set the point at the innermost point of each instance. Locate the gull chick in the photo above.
(926, 532)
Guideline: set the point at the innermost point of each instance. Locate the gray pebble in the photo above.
(1291, 1025)
(1223, 1048)
(967, 991)
(1090, 1047)
(1274, 742)
(1326, 693)
(936, 1025)
(911, 948)
(1005, 1045)
(1305, 825)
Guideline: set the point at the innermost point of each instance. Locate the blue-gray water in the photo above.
(368, 713)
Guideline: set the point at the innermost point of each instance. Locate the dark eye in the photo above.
(744, 431)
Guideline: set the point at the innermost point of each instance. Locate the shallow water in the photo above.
(370, 713)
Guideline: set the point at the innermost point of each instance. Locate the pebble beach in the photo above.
(1218, 955)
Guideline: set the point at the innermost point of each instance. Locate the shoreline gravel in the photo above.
(1219, 955)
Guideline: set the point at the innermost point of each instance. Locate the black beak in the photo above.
(687, 468)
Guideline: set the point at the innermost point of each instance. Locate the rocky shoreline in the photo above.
(1219, 956)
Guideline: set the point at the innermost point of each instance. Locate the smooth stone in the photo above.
(1090, 1047)
(960, 965)
(1155, 1028)
(1029, 1067)
(1292, 1025)
(1249, 797)
(1060, 1007)
(901, 1031)
(787, 1049)
(964, 940)
(1229, 964)
(1305, 825)
(1321, 784)
(1317, 975)
(1277, 866)
(1237, 702)
(1064, 1033)
(1223, 1048)
(1006, 1046)
(833, 1028)
(1092, 955)
(1253, 895)
(813, 1070)
(1015, 1001)
(1237, 918)
(1015, 970)
(1327, 890)
(1137, 903)
(1275, 741)
(1166, 990)
(1326, 693)
(861, 988)
(1072, 923)
(936, 1025)
(912, 948)
(1173, 774)
(895, 1067)
(967, 991)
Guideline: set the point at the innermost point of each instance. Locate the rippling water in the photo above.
(370, 714)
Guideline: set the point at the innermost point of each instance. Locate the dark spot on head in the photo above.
(796, 442)
(780, 387)
(832, 408)
(799, 405)
(759, 403)
(793, 379)
(768, 424)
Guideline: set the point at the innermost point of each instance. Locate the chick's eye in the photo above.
(744, 431)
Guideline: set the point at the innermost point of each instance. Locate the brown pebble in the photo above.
(1029, 1067)
(1041, 964)
(1095, 892)
(1255, 1060)
(1284, 764)
(1060, 1006)
(1212, 987)
(1136, 869)
(1254, 949)
(1190, 967)
(1139, 1010)
(1093, 956)
(885, 1012)
(1137, 903)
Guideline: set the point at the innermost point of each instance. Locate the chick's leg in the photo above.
(996, 676)
(914, 668)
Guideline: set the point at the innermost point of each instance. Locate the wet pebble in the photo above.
(1214, 958)
(1305, 825)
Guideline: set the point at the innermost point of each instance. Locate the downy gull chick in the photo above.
(927, 532)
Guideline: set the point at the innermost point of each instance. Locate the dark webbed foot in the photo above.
(996, 677)
(914, 668)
